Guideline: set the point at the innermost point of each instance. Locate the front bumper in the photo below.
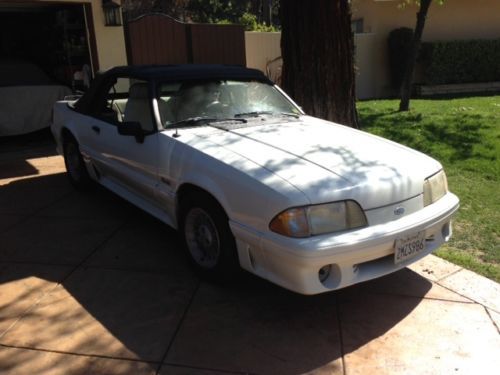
(354, 256)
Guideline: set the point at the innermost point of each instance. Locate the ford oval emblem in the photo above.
(399, 211)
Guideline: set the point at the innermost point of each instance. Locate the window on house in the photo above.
(357, 26)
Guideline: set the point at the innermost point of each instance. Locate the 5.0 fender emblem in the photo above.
(399, 211)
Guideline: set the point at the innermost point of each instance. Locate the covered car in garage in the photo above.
(27, 95)
(45, 55)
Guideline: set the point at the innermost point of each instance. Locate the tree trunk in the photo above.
(317, 47)
(407, 84)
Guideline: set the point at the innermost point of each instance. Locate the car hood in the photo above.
(327, 161)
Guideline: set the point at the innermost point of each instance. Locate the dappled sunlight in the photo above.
(128, 298)
(447, 130)
(463, 134)
(267, 329)
(18, 295)
(27, 361)
(91, 284)
(320, 160)
(86, 315)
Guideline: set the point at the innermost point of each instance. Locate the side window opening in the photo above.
(128, 100)
(167, 101)
(116, 101)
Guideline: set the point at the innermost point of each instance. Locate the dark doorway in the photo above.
(53, 37)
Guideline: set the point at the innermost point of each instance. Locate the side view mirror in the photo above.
(131, 128)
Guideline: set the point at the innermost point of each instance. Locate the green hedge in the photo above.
(461, 61)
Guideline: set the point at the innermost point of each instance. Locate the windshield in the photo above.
(221, 100)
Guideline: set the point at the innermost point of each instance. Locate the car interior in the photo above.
(132, 104)
(129, 101)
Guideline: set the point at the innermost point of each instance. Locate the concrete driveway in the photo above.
(89, 284)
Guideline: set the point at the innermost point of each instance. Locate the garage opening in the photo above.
(52, 37)
(45, 56)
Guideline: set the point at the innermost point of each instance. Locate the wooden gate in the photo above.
(159, 39)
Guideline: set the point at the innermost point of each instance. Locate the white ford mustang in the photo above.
(223, 155)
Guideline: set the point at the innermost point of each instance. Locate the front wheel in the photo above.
(209, 242)
(75, 167)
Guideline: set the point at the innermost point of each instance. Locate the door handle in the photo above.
(96, 129)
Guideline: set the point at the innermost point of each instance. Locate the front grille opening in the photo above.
(379, 265)
(374, 262)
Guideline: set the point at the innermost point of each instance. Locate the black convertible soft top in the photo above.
(188, 72)
(166, 73)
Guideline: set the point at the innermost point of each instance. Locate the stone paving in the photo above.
(89, 284)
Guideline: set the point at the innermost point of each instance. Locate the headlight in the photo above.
(435, 187)
(319, 219)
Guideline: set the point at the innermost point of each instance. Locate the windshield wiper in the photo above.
(289, 114)
(195, 120)
(258, 113)
(253, 114)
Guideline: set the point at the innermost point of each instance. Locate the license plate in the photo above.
(409, 247)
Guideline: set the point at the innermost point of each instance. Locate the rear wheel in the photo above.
(209, 242)
(75, 167)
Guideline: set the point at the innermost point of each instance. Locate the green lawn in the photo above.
(464, 135)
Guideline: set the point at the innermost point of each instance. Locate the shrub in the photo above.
(399, 46)
(462, 61)
(250, 23)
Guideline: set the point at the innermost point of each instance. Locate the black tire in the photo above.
(205, 230)
(75, 167)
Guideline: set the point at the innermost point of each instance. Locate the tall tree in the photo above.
(407, 84)
(136, 8)
(318, 58)
(192, 10)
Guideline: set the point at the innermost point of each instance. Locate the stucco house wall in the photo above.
(454, 20)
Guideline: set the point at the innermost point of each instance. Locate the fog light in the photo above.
(324, 272)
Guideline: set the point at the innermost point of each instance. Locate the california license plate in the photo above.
(409, 247)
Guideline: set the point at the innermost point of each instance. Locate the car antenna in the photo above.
(176, 134)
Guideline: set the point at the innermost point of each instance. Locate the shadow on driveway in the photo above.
(24, 147)
(90, 275)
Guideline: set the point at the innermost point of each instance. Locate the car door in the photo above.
(126, 161)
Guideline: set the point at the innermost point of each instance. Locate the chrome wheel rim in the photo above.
(73, 161)
(202, 238)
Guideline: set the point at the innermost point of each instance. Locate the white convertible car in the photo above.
(226, 157)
